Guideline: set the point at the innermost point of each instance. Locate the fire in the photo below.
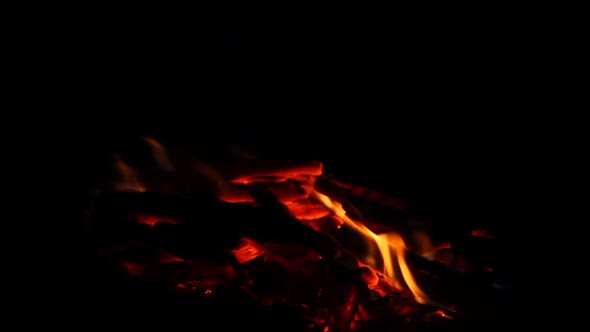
(159, 154)
(387, 243)
(295, 186)
(128, 178)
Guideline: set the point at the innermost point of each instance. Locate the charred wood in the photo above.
(328, 224)
(380, 218)
(277, 223)
(381, 198)
(472, 294)
(285, 191)
(248, 171)
(307, 209)
(195, 273)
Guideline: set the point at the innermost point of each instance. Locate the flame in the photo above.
(159, 154)
(387, 243)
(129, 179)
(213, 174)
(310, 169)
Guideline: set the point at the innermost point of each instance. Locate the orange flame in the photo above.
(387, 243)
(129, 179)
(159, 154)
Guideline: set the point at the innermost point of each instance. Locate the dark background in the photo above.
(427, 104)
(432, 105)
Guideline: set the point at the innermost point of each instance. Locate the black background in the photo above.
(437, 106)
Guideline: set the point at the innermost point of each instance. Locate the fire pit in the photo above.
(276, 244)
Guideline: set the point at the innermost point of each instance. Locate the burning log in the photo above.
(308, 209)
(275, 223)
(289, 255)
(136, 259)
(369, 276)
(141, 259)
(206, 227)
(142, 253)
(254, 170)
(116, 231)
(292, 256)
(371, 195)
(379, 218)
(270, 223)
(193, 241)
(145, 207)
(386, 323)
(342, 287)
(285, 191)
(328, 289)
(182, 181)
(131, 204)
(248, 251)
(204, 274)
(468, 293)
(292, 318)
(207, 224)
(268, 279)
(328, 224)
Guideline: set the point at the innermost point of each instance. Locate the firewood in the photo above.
(292, 256)
(268, 202)
(286, 191)
(120, 231)
(276, 222)
(379, 218)
(201, 227)
(249, 171)
(142, 253)
(341, 285)
(290, 318)
(327, 224)
(136, 259)
(466, 292)
(162, 205)
(248, 250)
